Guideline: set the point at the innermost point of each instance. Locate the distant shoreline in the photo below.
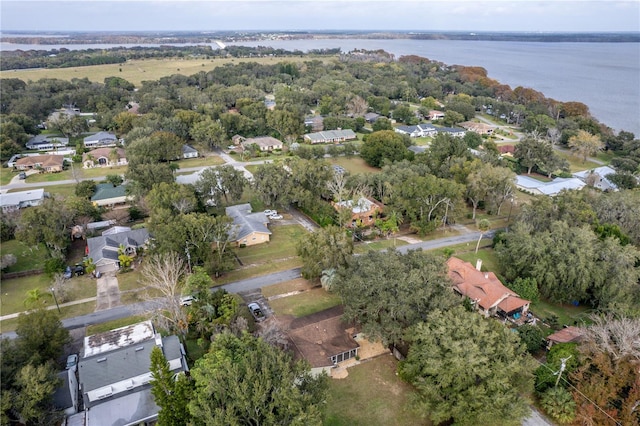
(54, 38)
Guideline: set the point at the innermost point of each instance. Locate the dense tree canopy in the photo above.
(384, 145)
(244, 380)
(388, 292)
(468, 370)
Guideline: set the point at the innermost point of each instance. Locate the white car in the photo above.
(275, 216)
(187, 300)
(270, 212)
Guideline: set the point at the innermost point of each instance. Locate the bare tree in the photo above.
(163, 275)
(274, 335)
(338, 187)
(618, 337)
(59, 287)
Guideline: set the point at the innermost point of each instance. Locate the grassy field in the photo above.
(306, 303)
(63, 190)
(371, 395)
(575, 163)
(378, 245)
(137, 71)
(28, 258)
(354, 165)
(489, 260)
(299, 284)
(282, 245)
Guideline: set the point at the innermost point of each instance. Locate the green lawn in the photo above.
(129, 280)
(28, 258)
(6, 175)
(354, 165)
(258, 270)
(575, 163)
(489, 260)
(306, 303)
(14, 291)
(371, 395)
(299, 284)
(211, 160)
(567, 314)
(282, 245)
(64, 190)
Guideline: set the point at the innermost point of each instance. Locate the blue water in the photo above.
(604, 76)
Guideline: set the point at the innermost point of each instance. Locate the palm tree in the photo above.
(559, 404)
(34, 298)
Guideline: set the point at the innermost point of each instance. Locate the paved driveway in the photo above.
(108, 292)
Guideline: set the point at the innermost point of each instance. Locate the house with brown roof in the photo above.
(363, 211)
(47, 162)
(485, 290)
(569, 334)
(264, 143)
(104, 157)
(323, 339)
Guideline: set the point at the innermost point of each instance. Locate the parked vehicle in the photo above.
(68, 273)
(256, 311)
(275, 216)
(22, 175)
(187, 300)
(270, 212)
(72, 361)
(78, 269)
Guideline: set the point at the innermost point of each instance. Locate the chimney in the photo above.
(479, 264)
(486, 275)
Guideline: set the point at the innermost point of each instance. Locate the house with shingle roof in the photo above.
(189, 152)
(103, 250)
(331, 136)
(100, 139)
(264, 143)
(479, 128)
(323, 339)
(46, 162)
(248, 228)
(104, 157)
(115, 382)
(485, 290)
(568, 334)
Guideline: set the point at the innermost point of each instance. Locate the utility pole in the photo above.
(53, 292)
(563, 365)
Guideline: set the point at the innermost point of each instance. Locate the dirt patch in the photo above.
(297, 285)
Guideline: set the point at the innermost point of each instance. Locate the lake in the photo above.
(604, 76)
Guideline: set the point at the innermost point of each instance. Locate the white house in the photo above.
(552, 188)
(189, 152)
(100, 139)
(418, 131)
(331, 136)
(46, 142)
(18, 200)
(598, 178)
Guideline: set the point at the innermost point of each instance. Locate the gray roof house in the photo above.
(17, 200)
(249, 228)
(331, 136)
(552, 188)
(598, 178)
(189, 152)
(104, 249)
(100, 139)
(418, 131)
(115, 381)
(45, 142)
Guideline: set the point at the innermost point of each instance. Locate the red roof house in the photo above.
(485, 290)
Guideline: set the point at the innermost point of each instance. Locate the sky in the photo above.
(218, 15)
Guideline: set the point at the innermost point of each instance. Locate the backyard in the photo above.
(371, 395)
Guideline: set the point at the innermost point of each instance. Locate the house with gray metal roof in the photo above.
(103, 250)
(248, 228)
(598, 178)
(12, 201)
(331, 136)
(115, 381)
(551, 188)
(418, 131)
(45, 142)
(100, 139)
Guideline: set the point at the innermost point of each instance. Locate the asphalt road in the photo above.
(249, 284)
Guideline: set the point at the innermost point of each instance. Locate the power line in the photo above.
(577, 390)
